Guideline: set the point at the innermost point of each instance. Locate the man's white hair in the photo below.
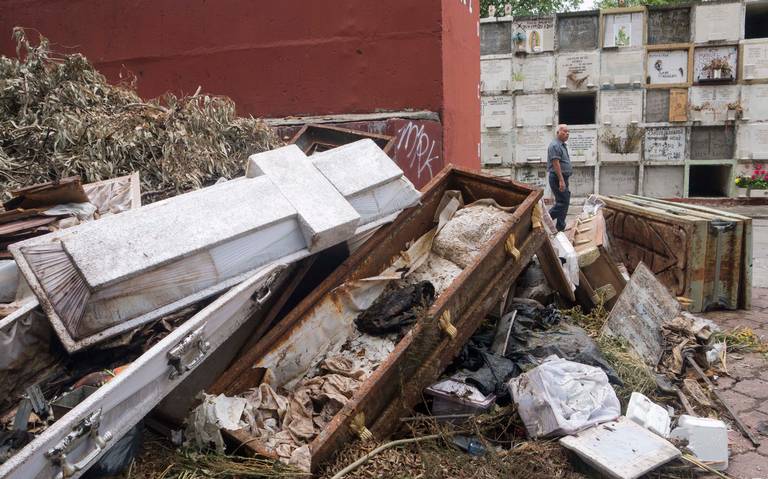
(561, 126)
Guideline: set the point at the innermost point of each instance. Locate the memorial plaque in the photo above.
(537, 73)
(531, 145)
(578, 71)
(582, 181)
(753, 141)
(538, 33)
(715, 64)
(495, 38)
(665, 143)
(717, 22)
(534, 110)
(656, 106)
(710, 103)
(667, 67)
(712, 143)
(623, 30)
(678, 104)
(496, 148)
(582, 145)
(495, 75)
(669, 26)
(618, 179)
(621, 107)
(663, 181)
(533, 175)
(755, 102)
(622, 67)
(577, 32)
(496, 113)
(755, 59)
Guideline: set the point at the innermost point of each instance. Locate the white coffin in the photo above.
(76, 441)
(101, 279)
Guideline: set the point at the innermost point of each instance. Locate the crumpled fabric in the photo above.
(205, 422)
(287, 423)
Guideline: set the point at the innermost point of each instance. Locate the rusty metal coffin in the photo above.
(697, 253)
(423, 353)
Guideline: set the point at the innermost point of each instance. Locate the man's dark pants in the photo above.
(562, 200)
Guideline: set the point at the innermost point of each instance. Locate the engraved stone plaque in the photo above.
(663, 181)
(495, 38)
(667, 67)
(717, 22)
(533, 175)
(538, 33)
(755, 59)
(495, 75)
(715, 64)
(623, 30)
(578, 71)
(621, 107)
(496, 113)
(618, 179)
(710, 103)
(577, 32)
(531, 145)
(622, 67)
(665, 143)
(669, 26)
(537, 73)
(656, 106)
(753, 141)
(582, 146)
(712, 143)
(582, 181)
(534, 110)
(496, 148)
(754, 100)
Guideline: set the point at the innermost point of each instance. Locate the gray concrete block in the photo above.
(356, 167)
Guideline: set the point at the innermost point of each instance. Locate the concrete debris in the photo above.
(561, 397)
(706, 438)
(206, 421)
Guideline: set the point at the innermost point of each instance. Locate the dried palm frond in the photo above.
(60, 117)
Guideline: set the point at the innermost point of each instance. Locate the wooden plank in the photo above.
(553, 271)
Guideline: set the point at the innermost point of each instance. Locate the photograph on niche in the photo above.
(622, 32)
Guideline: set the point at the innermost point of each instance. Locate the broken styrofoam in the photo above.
(104, 278)
(566, 251)
(561, 397)
(215, 413)
(621, 449)
(707, 439)
(648, 414)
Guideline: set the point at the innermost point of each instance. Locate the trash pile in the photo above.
(311, 308)
(59, 117)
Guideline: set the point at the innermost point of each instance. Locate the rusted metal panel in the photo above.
(695, 254)
(316, 138)
(395, 386)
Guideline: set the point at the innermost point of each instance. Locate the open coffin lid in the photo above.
(426, 349)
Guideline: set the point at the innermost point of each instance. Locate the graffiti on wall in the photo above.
(418, 150)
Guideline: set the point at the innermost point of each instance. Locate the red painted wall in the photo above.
(282, 58)
(461, 82)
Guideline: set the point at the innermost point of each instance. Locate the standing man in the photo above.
(559, 170)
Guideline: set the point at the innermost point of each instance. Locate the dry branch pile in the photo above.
(59, 117)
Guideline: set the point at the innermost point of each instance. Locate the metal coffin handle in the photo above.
(176, 356)
(89, 426)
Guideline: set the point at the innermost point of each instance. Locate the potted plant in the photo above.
(718, 69)
(735, 111)
(758, 180)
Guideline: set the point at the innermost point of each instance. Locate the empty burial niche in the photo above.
(756, 20)
(577, 109)
(709, 180)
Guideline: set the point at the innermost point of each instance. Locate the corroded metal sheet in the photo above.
(696, 254)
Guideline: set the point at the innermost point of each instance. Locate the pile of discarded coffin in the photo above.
(317, 300)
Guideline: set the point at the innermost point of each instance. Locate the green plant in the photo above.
(758, 180)
(528, 7)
